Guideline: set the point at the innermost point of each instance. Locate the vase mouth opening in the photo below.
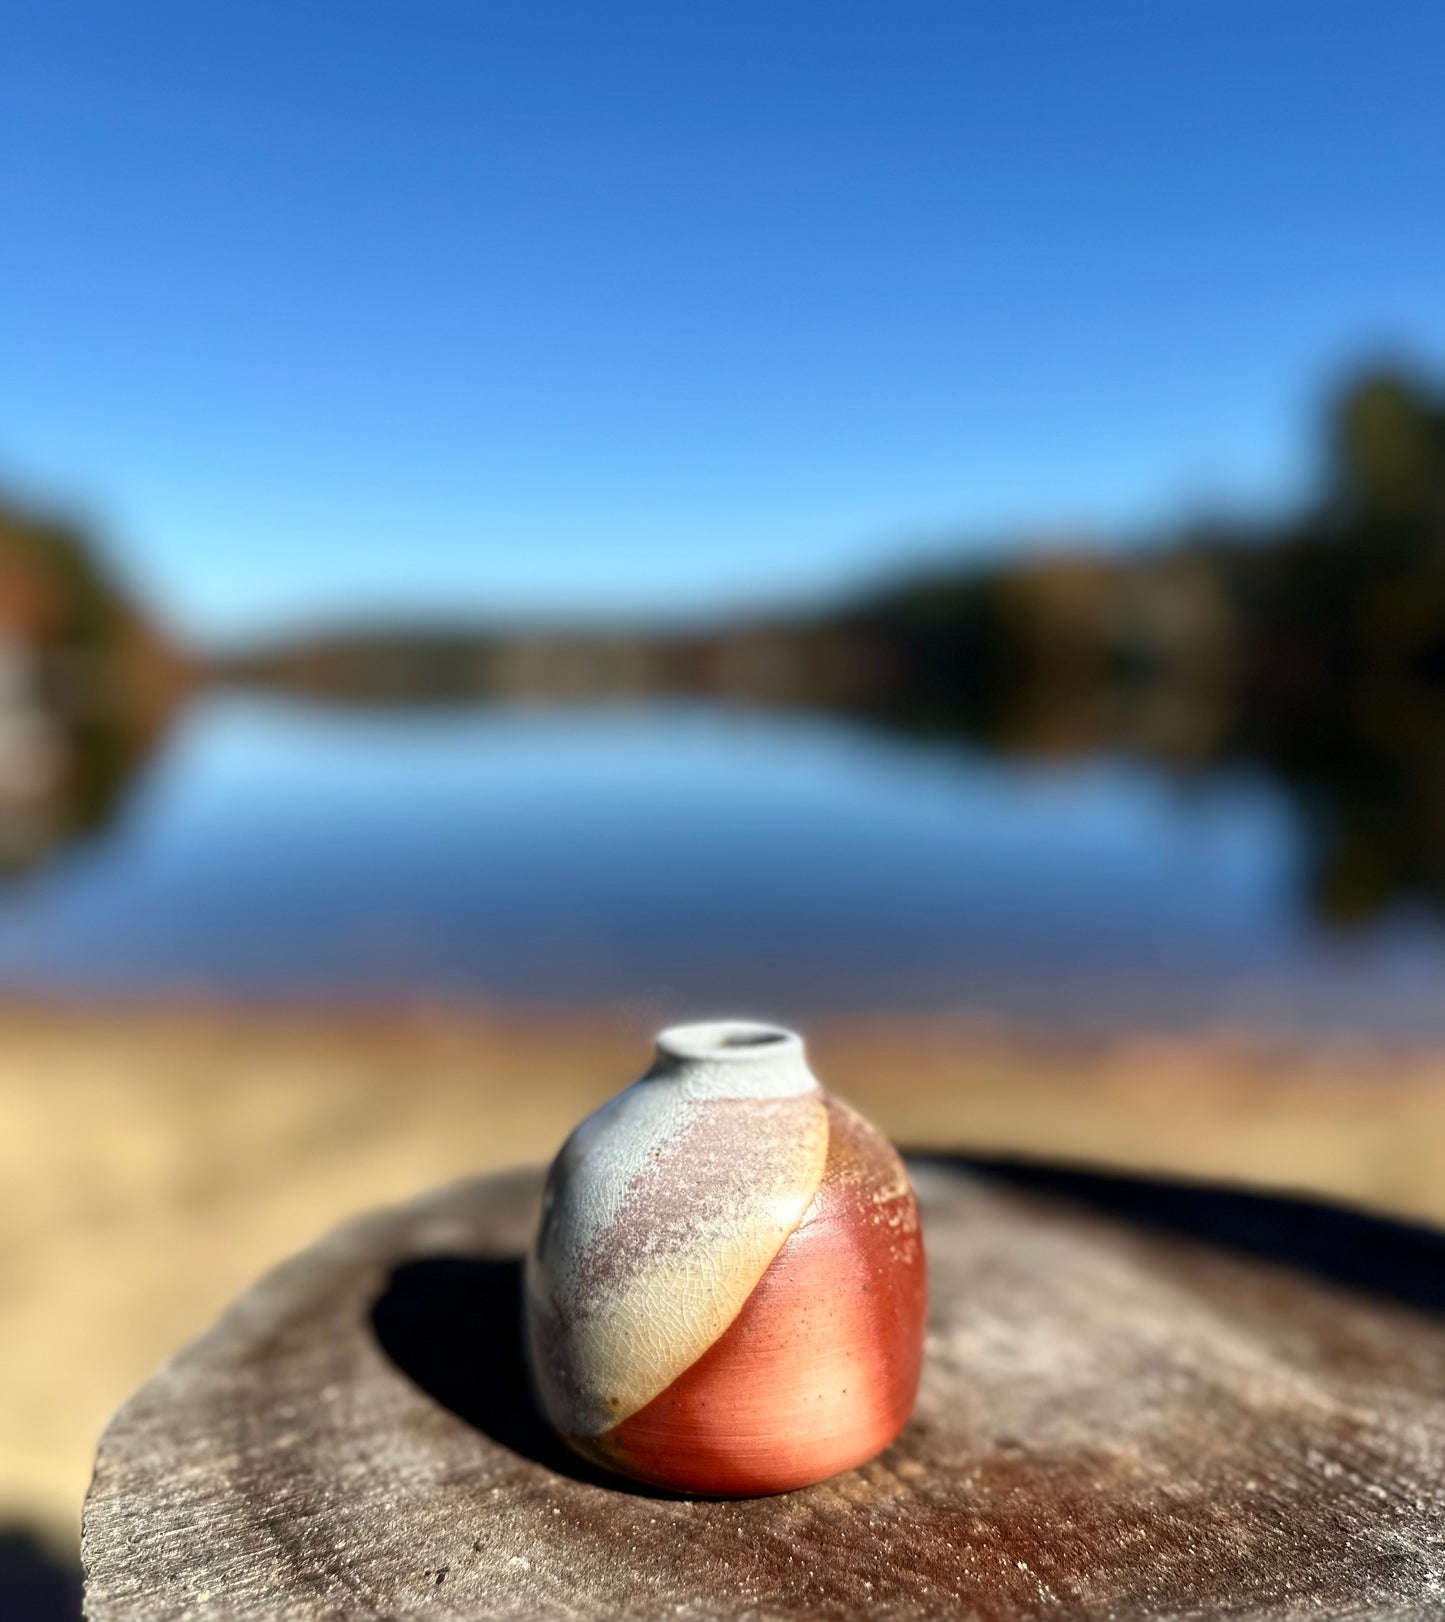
(728, 1041)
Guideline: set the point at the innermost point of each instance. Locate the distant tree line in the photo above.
(86, 687)
(1311, 649)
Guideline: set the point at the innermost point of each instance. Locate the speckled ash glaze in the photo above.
(726, 1294)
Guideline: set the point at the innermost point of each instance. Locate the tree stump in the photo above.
(1140, 1400)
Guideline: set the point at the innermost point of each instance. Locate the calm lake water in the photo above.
(681, 860)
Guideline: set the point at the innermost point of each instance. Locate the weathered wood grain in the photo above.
(1200, 1404)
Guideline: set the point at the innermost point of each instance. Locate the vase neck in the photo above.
(733, 1058)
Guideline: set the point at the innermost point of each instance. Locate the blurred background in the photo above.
(521, 523)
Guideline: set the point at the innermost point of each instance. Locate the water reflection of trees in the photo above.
(86, 688)
(1311, 649)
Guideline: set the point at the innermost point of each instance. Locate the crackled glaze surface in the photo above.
(819, 1369)
(727, 1290)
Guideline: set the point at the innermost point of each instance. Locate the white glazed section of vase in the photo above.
(662, 1212)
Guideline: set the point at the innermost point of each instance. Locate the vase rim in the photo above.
(729, 1041)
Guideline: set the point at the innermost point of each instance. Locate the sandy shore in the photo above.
(155, 1162)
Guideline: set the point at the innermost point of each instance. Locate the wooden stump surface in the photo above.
(1139, 1401)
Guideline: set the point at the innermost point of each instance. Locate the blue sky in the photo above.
(610, 308)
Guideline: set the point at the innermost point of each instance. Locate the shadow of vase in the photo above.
(453, 1326)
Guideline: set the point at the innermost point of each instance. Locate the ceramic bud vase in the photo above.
(726, 1292)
